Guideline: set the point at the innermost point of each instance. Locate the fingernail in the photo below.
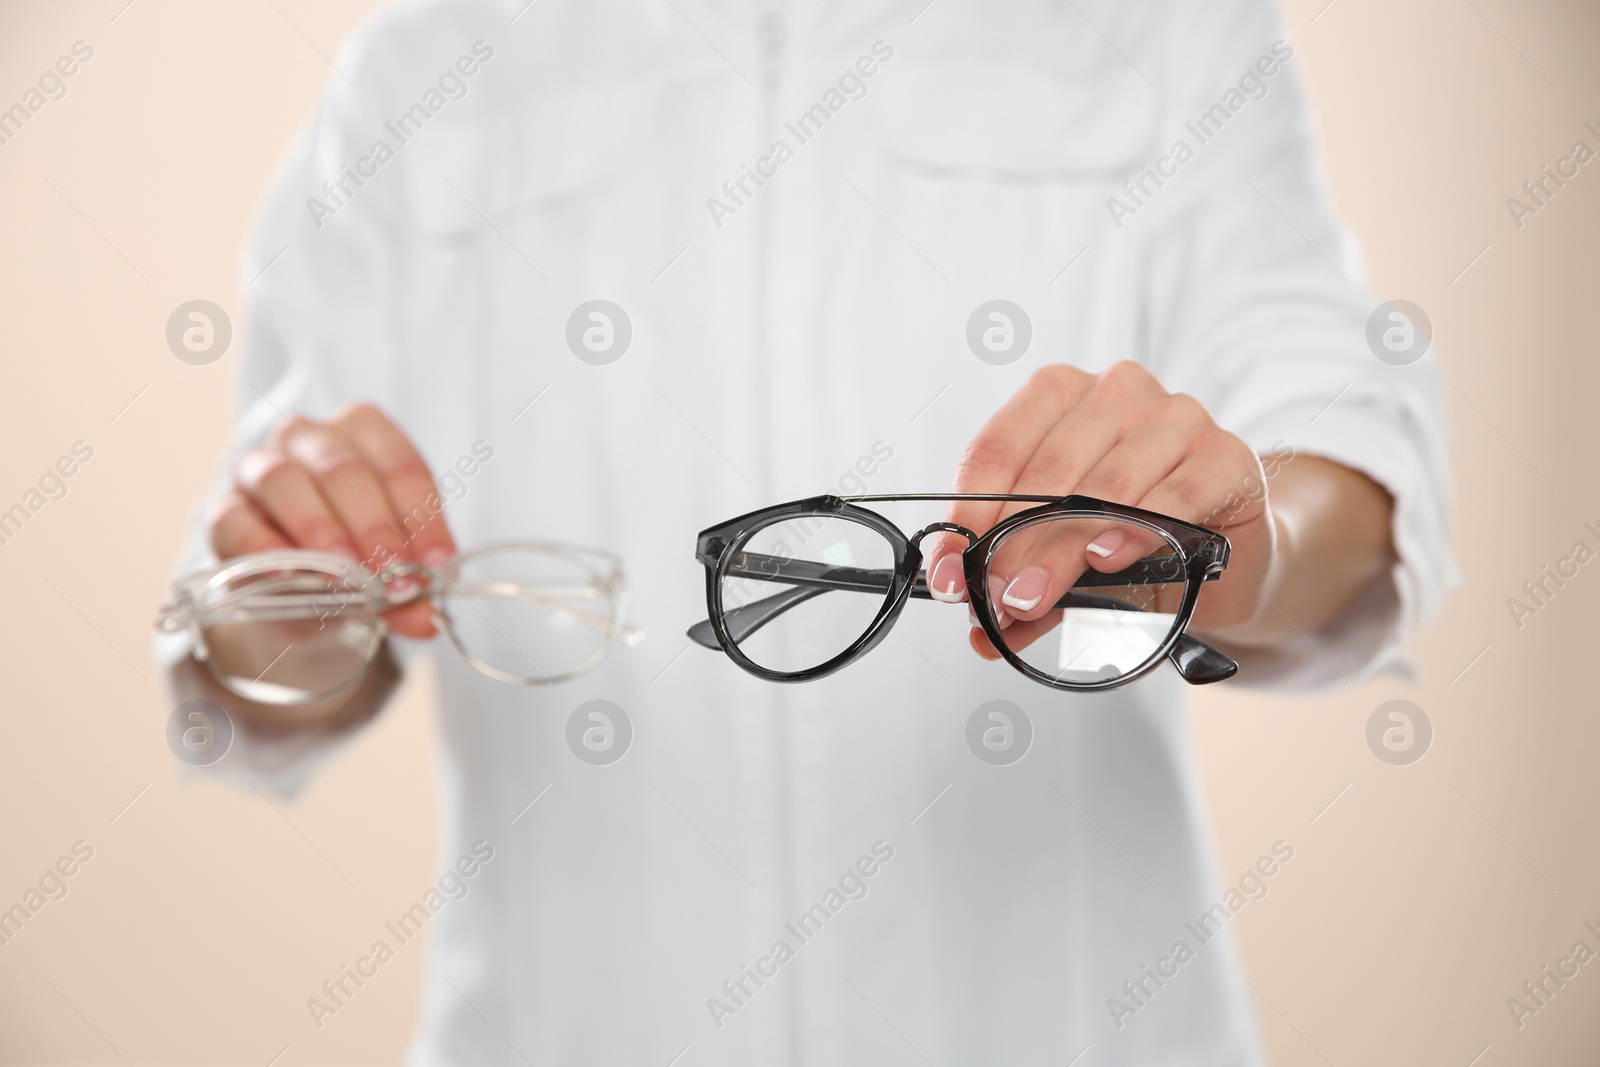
(1107, 543)
(946, 582)
(402, 585)
(346, 551)
(436, 558)
(1026, 589)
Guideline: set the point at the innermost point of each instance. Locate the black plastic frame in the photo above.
(1201, 556)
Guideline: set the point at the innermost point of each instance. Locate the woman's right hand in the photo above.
(353, 485)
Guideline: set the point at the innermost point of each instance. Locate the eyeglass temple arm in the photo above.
(1153, 570)
(1197, 663)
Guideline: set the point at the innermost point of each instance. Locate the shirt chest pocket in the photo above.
(1002, 170)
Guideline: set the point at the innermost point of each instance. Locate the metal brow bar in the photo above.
(1027, 498)
(886, 498)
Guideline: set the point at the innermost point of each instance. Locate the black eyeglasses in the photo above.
(1113, 588)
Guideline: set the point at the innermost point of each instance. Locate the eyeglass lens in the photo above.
(1085, 599)
(528, 615)
(807, 624)
(1078, 598)
(289, 636)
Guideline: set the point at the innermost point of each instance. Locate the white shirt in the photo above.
(777, 341)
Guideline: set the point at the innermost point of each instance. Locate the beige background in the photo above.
(1416, 903)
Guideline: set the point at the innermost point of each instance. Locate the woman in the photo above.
(783, 322)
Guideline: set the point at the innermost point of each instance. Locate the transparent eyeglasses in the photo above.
(295, 626)
(797, 591)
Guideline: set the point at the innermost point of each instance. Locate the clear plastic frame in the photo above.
(296, 626)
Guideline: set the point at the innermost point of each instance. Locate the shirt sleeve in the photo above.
(316, 278)
(1257, 306)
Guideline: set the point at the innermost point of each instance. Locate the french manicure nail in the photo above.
(1026, 589)
(436, 558)
(1107, 543)
(946, 582)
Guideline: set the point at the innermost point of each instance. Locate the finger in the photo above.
(1199, 488)
(356, 496)
(1038, 564)
(994, 459)
(1000, 452)
(1149, 450)
(1212, 488)
(285, 492)
(1133, 470)
(1120, 401)
(413, 620)
(237, 528)
(349, 485)
(1018, 636)
(411, 491)
(287, 495)
(1033, 566)
(1213, 465)
(1212, 485)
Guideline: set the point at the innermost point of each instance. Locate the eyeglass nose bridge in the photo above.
(420, 589)
(943, 527)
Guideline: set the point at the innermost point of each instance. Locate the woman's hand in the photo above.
(1121, 437)
(353, 485)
